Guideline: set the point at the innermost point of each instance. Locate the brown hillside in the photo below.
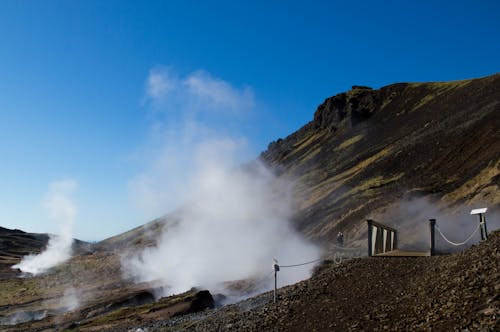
(366, 149)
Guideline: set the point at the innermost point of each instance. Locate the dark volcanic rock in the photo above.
(134, 299)
(200, 301)
(347, 109)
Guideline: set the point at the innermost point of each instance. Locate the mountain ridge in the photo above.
(366, 149)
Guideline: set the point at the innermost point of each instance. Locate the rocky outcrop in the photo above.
(347, 109)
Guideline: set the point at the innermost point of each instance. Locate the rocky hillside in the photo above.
(366, 149)
(14, 244)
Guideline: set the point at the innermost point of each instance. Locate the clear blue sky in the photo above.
(77, 81)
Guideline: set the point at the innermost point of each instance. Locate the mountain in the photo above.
(365, 154)
(367, 150)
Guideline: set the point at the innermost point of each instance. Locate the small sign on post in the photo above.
(482, 222)
(276, 268)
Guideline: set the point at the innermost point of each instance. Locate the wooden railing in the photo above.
(381, 238)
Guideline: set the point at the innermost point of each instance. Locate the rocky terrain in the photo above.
(92, 283)
(365, 153)
(459, 292)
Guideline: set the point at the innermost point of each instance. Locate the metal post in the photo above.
(370, 230)
(481, 226)
(276, 268)
(482, 222)
(275, 285)
(432, 224)
(484, 229)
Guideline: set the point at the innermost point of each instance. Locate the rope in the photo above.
(346, 248)
(459, 243)
(306, 263)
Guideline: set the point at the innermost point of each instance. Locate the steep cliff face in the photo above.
(347, 108)
(367, 149)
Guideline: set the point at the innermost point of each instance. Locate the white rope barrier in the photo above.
(336, 257)
(306, 263)
(457, 243)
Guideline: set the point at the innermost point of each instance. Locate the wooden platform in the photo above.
(404, 253)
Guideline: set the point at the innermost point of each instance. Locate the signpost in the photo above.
(482, 222)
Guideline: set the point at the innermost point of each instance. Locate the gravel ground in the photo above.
(459, 292)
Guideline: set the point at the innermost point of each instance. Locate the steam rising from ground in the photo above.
(235, 221)
(61, 209)
(22, 317)
(70, 300)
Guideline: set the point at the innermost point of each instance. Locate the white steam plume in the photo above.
(235, 221)
(195, 93)
(71, 299)
(60, 209)
(188, 111)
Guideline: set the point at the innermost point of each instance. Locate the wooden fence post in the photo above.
(432, 224)
(370, 230)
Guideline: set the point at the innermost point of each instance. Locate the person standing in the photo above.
(340, 239)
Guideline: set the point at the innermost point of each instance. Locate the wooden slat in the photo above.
(404, 253)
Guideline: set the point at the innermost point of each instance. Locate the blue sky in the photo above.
(90, 89)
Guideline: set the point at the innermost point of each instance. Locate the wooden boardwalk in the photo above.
(403, 253)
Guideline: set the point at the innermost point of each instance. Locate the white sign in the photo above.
(478, 211)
